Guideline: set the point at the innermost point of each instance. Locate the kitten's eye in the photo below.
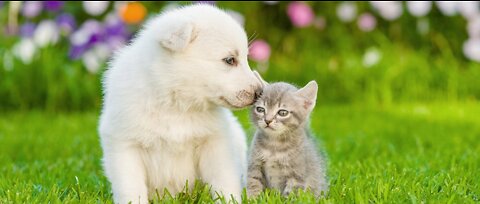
(260, 110)
(230, 61)
(283, 113)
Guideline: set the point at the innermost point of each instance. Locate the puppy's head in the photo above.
(208, 50)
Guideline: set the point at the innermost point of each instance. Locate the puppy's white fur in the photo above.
(165, 118)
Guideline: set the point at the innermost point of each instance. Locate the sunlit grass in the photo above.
(407, 153)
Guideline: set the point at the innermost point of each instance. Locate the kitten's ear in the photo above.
(263, 82)
(176, 36)
(308, 94)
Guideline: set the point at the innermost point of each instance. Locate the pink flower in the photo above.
(300, 14)
(366, 22)
(259, 51)
(31, 9)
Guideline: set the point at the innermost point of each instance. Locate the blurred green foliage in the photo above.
(413, 66)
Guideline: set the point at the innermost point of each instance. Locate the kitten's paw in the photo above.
(253, 192)
(288, 190)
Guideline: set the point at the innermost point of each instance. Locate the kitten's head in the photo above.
(282, 107)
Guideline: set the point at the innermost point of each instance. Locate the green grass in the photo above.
(410, 153)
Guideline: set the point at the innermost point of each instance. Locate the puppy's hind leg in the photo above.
(219, 169)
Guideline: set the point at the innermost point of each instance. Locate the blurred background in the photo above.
(53, 54)
(397, 110)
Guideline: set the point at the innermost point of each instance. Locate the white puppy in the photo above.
(165, 118)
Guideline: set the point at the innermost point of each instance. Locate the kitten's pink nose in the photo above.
(268, 121)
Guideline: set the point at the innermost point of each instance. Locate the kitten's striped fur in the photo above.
(283, 154)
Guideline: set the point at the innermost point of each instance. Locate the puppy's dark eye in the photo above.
(260, 109)
(283, 113)
(230, 61)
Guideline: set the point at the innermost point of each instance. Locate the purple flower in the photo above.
(259, 51)
(300, 14)
(53, 5)
(366, 22)
(27, 30)
(31, 9)
(114, 26)
(76, 51)
(66, 23)
(84, 34)
(90, 33)
(95, 38)
(116, 42)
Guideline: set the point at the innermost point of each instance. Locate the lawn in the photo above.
(409, 153)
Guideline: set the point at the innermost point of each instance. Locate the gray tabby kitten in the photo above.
(283, 154)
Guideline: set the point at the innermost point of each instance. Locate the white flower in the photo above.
(468, 9)
(102, 50)
(347, 11)
(389, 10)
(95, 57)
(423, 26)
(91, 61)
(25, 50)
(448, 8)
(79, 37)
(473, 27)
(471, 49)
(95, 8)
(271, 2)
(46, 33)
(237, 16)
(419, 8)
(371, 57)
(116, 42)
(83, 34)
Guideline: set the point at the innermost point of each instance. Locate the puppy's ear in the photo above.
(308, 94)
(257, 75)
(177, 35)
